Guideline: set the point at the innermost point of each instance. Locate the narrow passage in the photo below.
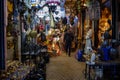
(64, 67)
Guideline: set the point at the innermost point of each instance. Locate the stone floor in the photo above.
(64, 67)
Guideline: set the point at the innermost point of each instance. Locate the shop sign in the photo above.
(94, 10)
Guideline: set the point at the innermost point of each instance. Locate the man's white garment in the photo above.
(88, 43)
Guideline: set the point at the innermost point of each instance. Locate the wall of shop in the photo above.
(2, 35)
(118, 20)
(118, 24)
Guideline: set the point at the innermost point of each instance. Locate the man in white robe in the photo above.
(88, 43)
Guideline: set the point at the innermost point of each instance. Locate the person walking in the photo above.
(68, 38)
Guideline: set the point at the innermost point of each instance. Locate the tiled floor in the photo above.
(65, 68)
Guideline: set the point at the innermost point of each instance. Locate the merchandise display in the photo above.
(37, 30)
(17, 70)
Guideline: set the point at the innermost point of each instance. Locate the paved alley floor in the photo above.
(64, 67)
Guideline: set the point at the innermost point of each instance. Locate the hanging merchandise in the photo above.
(52, 24)
(40, 27)
(47, 28)
(40, 13)
(62, 2)
(27, 3)
(57, 14)
(9, 7)
(62, 12)
(62, 8)
(75, 20)
(27, 17)
(47, 18)
(46, 9)
(33, 2)
(94, 10)
(46, 13)
(34, 20)
(43, 12)
(33, 33)
(56, 2)
(42, 3)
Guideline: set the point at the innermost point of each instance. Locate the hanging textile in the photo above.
(52, 24)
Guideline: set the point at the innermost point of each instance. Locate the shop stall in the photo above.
(100, 52)
(33, 27)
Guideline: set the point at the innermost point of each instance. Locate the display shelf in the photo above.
(17, 70)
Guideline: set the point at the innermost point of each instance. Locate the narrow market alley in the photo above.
(65, 68)
(35, 36)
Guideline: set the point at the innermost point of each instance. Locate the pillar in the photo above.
(2, 33)
(96, 40)
(113, 7)
(83, 11)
